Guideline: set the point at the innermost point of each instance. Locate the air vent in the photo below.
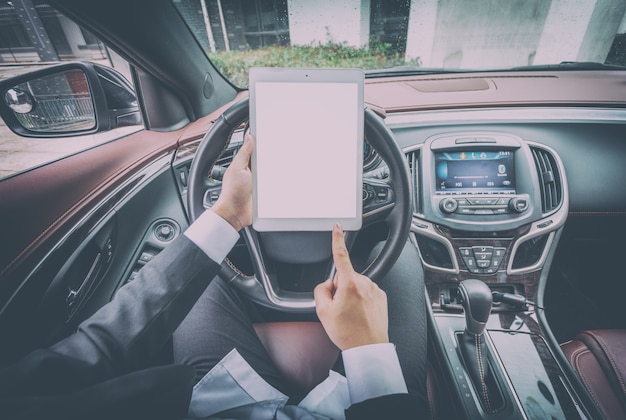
(413, 161)
(549, 180)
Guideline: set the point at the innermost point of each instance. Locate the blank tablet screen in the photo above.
(308, 155)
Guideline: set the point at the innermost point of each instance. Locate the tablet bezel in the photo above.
(308, 76)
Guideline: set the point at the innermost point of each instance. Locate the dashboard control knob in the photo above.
(448, 205)
(165, 231)
(518, 204)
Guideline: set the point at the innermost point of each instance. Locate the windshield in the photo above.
(406, 35)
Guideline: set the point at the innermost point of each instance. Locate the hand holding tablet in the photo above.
(308, 159)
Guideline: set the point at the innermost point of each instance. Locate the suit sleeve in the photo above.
(124, 333)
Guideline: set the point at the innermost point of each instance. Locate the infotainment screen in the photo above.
(475, 171)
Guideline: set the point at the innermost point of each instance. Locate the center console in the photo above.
(490, 209)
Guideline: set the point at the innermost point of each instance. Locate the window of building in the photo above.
(266, 22)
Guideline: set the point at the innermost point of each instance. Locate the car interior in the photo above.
(507, 182)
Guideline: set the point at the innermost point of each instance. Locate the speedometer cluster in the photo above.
(370, 158)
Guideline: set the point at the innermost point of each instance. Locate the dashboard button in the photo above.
(482, 201)
(448, 205)
(483, 211)
(146, 257)
(483, 264)
(470, 262)
(482, 249)
(165, 231)
(499, 252)
(466, 252)
(519, 205)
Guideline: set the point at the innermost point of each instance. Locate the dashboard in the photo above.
(489, 202)
(493, 192)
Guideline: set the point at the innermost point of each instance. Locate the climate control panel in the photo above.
(482, 259)
(484, 205)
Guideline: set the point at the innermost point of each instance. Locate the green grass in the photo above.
(235, 64)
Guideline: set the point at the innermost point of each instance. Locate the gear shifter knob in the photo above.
(477, 300)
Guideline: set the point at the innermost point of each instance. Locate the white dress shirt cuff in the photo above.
(213, 235)
(373, 371)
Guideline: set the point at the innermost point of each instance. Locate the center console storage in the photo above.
(524, 370)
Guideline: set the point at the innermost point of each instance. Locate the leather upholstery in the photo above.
(599, 358)
(304, 354)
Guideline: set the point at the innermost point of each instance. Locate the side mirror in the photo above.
(68, 100)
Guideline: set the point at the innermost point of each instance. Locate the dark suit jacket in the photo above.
(94, 372)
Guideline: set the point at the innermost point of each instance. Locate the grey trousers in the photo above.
(222, 320)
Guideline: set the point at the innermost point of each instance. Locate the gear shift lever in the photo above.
(476, 299)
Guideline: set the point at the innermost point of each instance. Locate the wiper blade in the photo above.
(408, 70)
(570, 65)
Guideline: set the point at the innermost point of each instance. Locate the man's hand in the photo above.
(352, 308)
(235, 202)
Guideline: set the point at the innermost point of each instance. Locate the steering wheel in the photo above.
(388, 201)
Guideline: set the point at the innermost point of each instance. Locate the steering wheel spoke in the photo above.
(276, 297)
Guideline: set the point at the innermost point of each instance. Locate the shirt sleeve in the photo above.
(213, 235)
(373, 371)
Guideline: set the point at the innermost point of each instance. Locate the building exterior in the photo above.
(32, 31)
(420, 29)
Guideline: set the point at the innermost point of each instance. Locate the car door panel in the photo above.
(56, 239)
(36, 203)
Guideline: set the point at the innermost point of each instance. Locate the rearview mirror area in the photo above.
(68, 100)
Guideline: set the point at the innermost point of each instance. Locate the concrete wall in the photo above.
(323, 21)
(476, 33)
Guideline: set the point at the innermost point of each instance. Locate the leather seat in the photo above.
(301, 351)
(304, 354)
(599, 359)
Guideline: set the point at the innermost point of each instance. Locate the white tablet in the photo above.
(308, 160)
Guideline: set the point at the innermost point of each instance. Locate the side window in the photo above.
(56, 40)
